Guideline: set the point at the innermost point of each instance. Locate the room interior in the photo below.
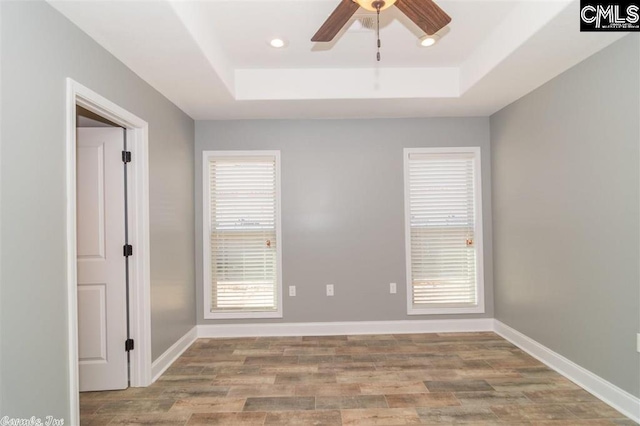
(549, 113)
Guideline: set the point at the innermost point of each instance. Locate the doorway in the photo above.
(135, 130)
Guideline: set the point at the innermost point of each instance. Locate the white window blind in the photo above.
(243, 237)
(443, 200)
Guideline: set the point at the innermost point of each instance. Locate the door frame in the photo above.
(138, 212)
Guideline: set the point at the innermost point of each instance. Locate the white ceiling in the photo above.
(355, 46)
(212, 58)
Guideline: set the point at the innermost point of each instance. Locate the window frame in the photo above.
(480, 306)
(206, 235)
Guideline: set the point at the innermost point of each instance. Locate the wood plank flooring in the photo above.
(444, 378)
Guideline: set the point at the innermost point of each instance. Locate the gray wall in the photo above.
(40, 48)
(343, 208)
(566, 208)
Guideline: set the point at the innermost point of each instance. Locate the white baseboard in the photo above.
(618, 398)
(165, 360)
(347, 327)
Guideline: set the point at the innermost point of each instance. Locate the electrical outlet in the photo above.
(393, 288)
(292, 290)
(329, 289)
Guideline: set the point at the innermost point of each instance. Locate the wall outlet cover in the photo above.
(330, 290)
(393, 289)
(292, 290)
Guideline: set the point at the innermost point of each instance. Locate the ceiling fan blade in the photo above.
(425, 14)
(336, 21)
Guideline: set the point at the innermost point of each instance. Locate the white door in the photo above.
(102, 315)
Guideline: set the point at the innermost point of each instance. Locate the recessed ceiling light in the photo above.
(428, 41)
(277, 43)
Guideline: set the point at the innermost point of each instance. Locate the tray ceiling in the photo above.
(213, 60)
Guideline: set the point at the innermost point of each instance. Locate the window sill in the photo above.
(242, 315)
(446, 311)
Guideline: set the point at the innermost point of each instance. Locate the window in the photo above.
(242, 242)
(443, 208)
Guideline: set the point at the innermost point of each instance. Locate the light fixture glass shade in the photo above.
(369, 4)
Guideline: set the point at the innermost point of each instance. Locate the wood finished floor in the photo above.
(445, 378)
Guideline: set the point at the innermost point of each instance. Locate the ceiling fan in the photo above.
(424, 13)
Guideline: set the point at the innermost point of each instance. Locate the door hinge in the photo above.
(127, 250)
(128, 345)
(126, 156)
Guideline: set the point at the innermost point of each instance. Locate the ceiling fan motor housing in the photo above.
(373, 5)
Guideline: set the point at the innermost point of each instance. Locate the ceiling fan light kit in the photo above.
(372, 5)
(424, 13)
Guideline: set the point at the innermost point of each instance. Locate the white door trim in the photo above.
(139, 266)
